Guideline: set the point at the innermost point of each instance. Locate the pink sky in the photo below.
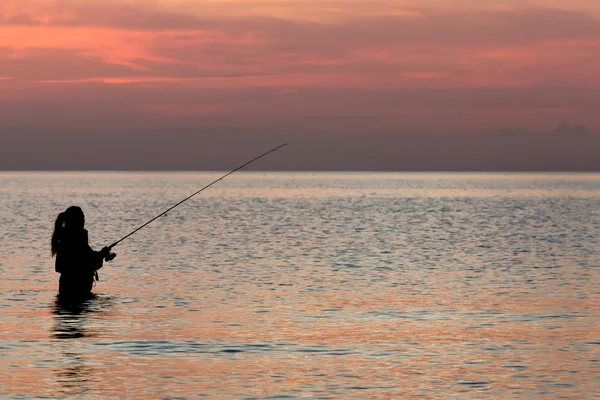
(76, 72)
(426, 65)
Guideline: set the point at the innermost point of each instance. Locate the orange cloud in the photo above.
(399, 52)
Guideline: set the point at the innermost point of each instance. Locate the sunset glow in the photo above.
(268, 49)
(301, 71)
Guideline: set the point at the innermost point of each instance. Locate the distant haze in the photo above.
(350, 84)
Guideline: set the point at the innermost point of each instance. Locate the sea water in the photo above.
(320, 285)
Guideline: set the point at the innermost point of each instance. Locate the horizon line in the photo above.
(483, 171)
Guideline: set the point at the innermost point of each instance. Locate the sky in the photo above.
(353, 84)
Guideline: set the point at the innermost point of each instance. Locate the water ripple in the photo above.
(308, 285)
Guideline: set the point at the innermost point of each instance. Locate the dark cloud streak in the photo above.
(185, 149)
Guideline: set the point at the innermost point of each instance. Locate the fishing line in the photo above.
(192, 195)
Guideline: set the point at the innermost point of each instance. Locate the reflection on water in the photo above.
(307, 285)
(72, 323)
(71, 316)
(75, 376)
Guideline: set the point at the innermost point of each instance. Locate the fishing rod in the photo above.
(192, 195)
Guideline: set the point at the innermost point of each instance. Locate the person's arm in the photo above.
(95, 258)
(103, 255)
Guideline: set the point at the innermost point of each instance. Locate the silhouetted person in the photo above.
(76, 262)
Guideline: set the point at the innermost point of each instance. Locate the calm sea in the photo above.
(324, 285)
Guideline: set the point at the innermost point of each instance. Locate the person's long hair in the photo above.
(70, 217)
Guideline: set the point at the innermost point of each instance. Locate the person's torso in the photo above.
(74, 256)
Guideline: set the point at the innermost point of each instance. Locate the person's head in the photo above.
(72, 219)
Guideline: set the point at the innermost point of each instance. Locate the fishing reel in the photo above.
(111, 256)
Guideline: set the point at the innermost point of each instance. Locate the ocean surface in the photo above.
(318, 285)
